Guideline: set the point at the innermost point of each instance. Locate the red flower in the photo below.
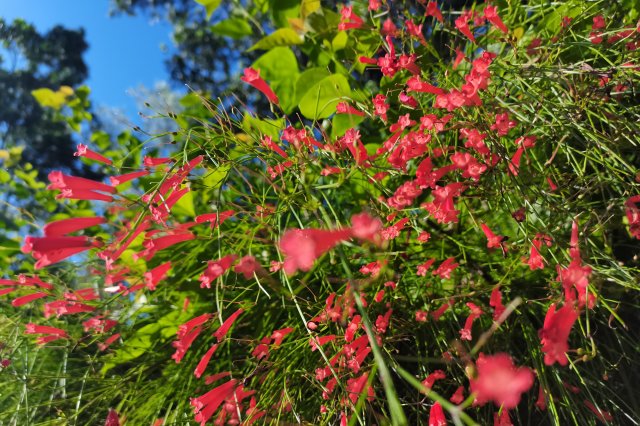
(445, 268)
(67, 226)
(226, 325)
(252, 77)
(351, 140)
(348, 19)
(424, 268)
(414, 84)
(502, 419)
(153, 162)
(500, 381)
(206, 405)
(555, 333)
(381, 107)
(433, 10)
(83, 151)
(267, 141)
(44, 329)
(214, 219)
(61, 181)
(633, 215)
(458, 395)
(183, 344)
(462, 24)
(103, 346)
(50, 250)
(301, 247)
(121, 179)
(321, 341)
(278, 335)
(23, 300)
(431, 378)
(493, 241)
(204, 361)
(436, 415)
(246, 266)
(492, 16)
(465, 333)
(63, 307)
(215, 269)
(185, 328)
(496, 302)
(154, 276)
(112, 418)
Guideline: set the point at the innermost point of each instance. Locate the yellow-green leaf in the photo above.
(49, 98)
(307, 7)
(321, 100)
(281, 37)
(209, 5)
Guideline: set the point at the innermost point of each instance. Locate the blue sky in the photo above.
(124, 51)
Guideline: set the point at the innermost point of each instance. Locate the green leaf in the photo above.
(339, 42)
(320, 101)
(307, 7)
(283, 10)
(214, 178)
(323, 21)
(184, 205)
(307, 79)
(49, 98)
(279, 68)
(209, 5)
(343, 122)
(4, 176)
(232, 27)
(281, 37)
(253, 125)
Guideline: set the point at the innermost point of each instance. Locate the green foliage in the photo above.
(575, 97)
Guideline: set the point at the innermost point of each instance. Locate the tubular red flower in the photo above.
(23, 300)
(206, 405)
(152, 161)
(215, 269)
(61, 181)
(154, 276)
(301, 247)
(500, 381)
(247, 266)
(366, 227)
(84, 151)
(214, 219)
(122, 179)
(436, 415)
(252, 77)
(83, 194)
(432, 378)
(183, 344)
(493, 240)
(267, 141)
(44, 329)
(490, 12)
(433, 10)
(204, 361)
(414, 84)
(226, 325)
(64, 307)
(496, 303)
(103, 346)
(192, 323)
(555, 333)
(278, 335)
(67, 226)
